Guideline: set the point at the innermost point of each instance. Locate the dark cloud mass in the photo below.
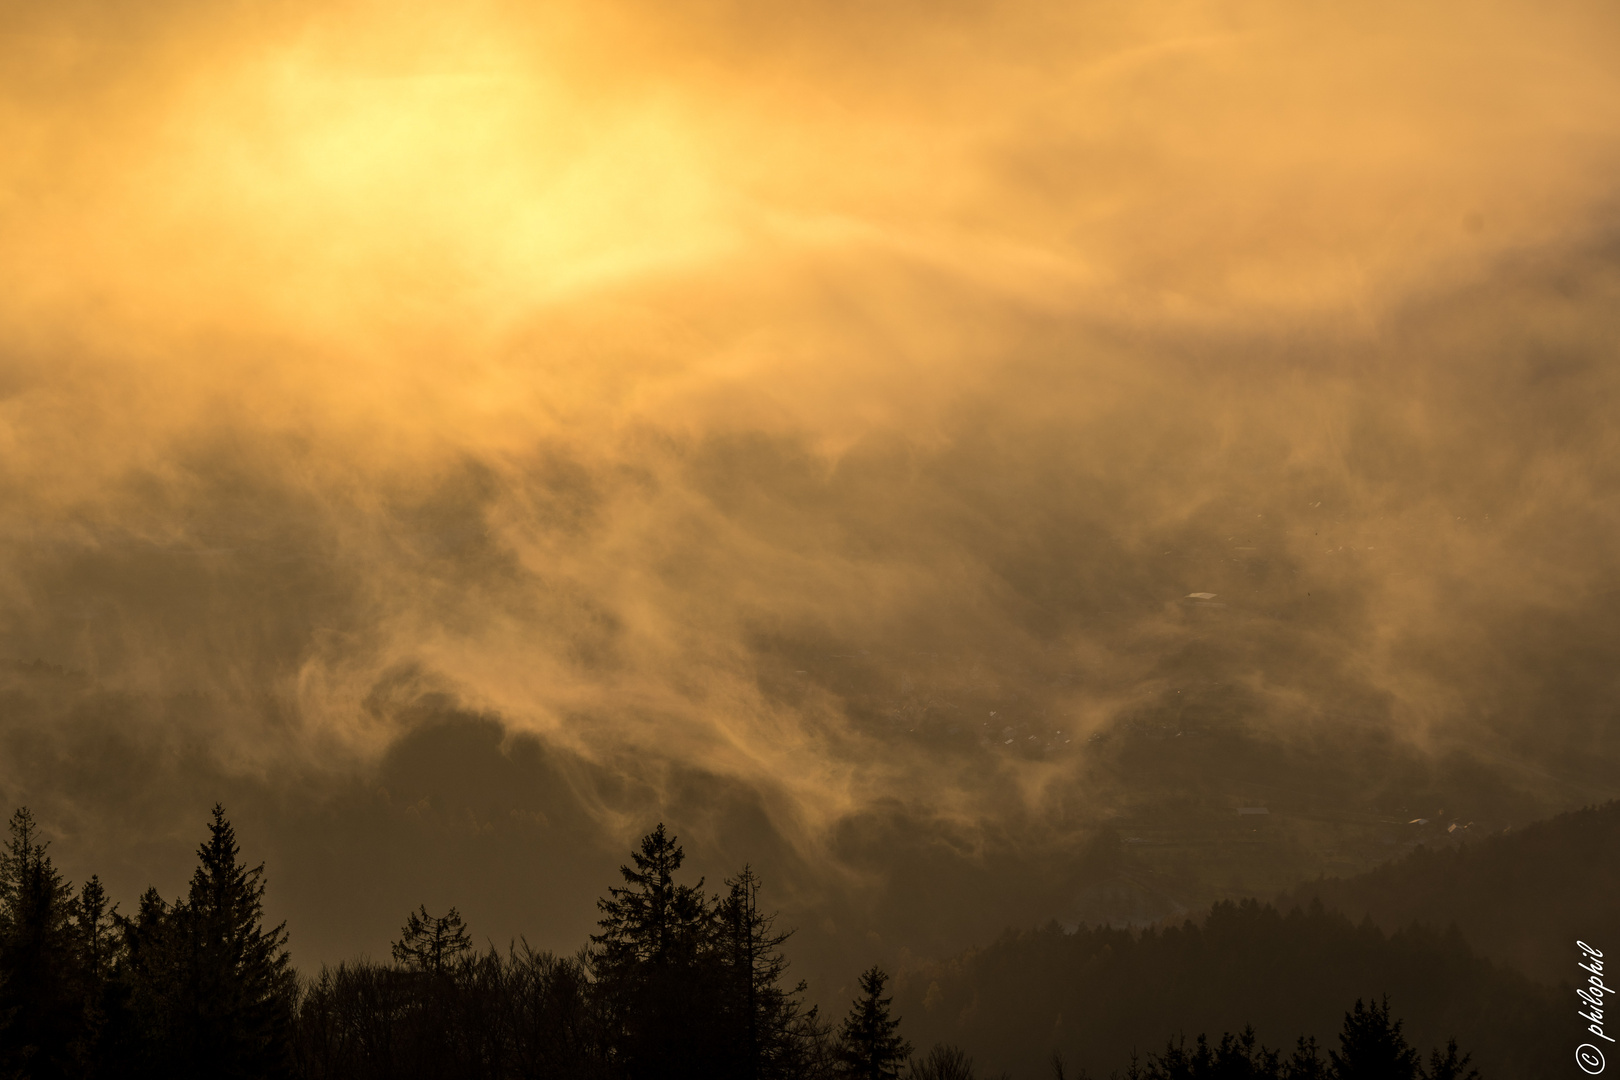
(952, 460)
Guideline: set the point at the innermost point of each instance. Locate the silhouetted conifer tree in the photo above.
(1236, 1057)
(97, 953)
(94, 926)
(212, 989)
(652, 921)
(1371, 1046)
(653, 962)
(429, 943)
(869, 1042)
(1305, 1063)
(41, 1005)
(1448, 1066)
(242, 982)
(155, 974)
(770, 1033)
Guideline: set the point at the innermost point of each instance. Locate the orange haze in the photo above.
(619, 370)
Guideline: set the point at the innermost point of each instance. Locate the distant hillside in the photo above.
(1098, 994)
(1522, 898)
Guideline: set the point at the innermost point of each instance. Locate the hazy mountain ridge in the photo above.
(1099, 994)
(1521, 897)
(1453, 935)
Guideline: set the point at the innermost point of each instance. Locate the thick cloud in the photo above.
(869, 436)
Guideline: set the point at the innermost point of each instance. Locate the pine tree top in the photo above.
(33, 893)
(869, 1042)
(650, 919)
(1372, 1047)
(430, 942)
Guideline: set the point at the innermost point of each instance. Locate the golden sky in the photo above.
(607, 367)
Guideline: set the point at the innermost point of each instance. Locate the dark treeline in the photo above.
(196, 988)
(1371, 1046)
(678, 983)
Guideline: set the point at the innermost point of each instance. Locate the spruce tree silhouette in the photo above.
(154, 970)
(93, 925)
(652, 921)
(40, 1010)
(1448, 1066)
(653, 964)
(1235, 1057)
(1371, 1046)
(869, 1042)
(768, 1029)
(1306, 1062)
(94, 922)
(215, 988)
(430, 943)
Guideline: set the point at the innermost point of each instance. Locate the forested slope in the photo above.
(1099, 994)
(1522, 897)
